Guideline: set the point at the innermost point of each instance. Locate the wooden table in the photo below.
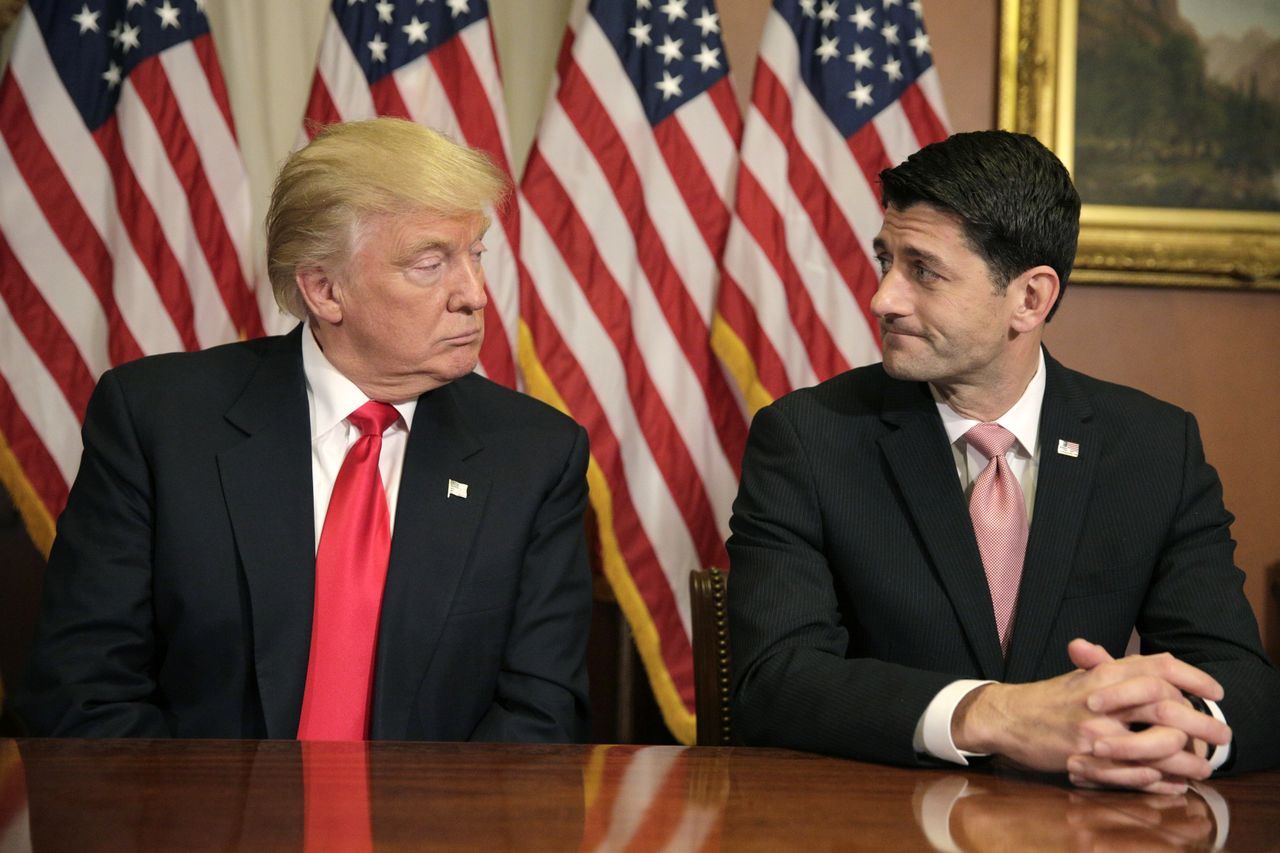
(227, 795)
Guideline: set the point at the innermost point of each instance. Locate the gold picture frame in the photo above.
(1121, 245)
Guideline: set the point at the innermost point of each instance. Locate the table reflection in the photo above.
(281, 795)
(958, 813)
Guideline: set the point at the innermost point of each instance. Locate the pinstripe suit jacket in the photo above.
(857, 592)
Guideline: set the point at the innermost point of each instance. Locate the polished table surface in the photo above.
(280, 795)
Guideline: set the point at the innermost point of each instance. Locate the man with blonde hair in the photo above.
(341, 533)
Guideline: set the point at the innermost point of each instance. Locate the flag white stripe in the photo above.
(749, 266)
(588, 188)
(51, 270)
(896, 133)
(581, 330)
(428, 104)
(82, 165)
(39, 397)
(145, 151)
(714, 144)
(219, 152)
(479, 47)
(342, 74)
(675, 226)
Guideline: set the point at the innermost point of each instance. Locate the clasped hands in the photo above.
(1083, 722)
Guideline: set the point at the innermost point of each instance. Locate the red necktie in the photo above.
(999, 522)
(351, 570)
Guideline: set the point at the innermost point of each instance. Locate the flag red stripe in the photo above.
(571, 234)
(208, 56)
(321, 110)
(764, 223)
(37, 463)
(740, 315)
(829, 223)
(62, 210)
(557, 358)
(924, 121)
(595, 126)
(457, 75)
(140, 220)
(152, 85)
(712, 219)
(44, 332)
(868, 150)
(387, 100)
(726, 103)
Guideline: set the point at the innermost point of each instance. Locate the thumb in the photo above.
(1087, 655)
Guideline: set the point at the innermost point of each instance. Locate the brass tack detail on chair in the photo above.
(708, 594)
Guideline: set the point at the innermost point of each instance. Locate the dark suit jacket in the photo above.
(178, 597)
(857, 592)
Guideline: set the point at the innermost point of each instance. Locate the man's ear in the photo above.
(1036, 292)
(317, 289)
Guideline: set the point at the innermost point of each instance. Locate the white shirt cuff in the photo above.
(933, 731)
(1222, 753)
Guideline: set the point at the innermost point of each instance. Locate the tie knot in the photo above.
(373, 417)
(991, 440)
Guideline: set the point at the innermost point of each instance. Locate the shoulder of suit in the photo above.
(1109, 398)
(505, 407)
(857, 391)
(211, 376)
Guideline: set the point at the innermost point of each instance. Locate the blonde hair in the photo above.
(358, 170)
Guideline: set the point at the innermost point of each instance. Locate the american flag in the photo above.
(843, 89)
(433, 63)
(627, 201)
(653, 798)
(125, 223)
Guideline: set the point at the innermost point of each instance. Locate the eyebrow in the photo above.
(910, 252)
(436, 244)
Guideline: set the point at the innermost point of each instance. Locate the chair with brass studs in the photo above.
(709, 603)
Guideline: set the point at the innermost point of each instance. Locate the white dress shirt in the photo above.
(331, 397)
(933, 731)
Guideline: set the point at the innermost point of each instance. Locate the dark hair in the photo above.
(1018, 206)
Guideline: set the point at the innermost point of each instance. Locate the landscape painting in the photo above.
(1178, 104)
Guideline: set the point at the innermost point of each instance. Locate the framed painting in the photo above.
(1167, 113)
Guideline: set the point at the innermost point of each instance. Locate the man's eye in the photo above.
(883, 263)
(923, 273)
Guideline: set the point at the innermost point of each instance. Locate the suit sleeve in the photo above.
(542, 685)
(1196, 610)
(91, 667)
(793, 685)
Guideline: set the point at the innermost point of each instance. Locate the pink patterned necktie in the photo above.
(999, 522)
(351, 570)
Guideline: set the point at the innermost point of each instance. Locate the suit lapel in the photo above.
(429, 552)
(266, 481)
(1062, 490)
(920, 459)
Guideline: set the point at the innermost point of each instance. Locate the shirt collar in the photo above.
(1022, 419)
(333, 396)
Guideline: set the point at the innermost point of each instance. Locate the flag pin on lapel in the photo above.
(1066, 448)
(457, 490)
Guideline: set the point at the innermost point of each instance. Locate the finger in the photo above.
(1088, 771)
(1087, 655)
(1151, 748)
(1149, 745)
(1178, 714)
(1130, 692)
(1182, 675)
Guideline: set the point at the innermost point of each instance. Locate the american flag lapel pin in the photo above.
(1068, 448)
(457, 490)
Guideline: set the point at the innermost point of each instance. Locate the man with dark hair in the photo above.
(944, 555)
(340, 533)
